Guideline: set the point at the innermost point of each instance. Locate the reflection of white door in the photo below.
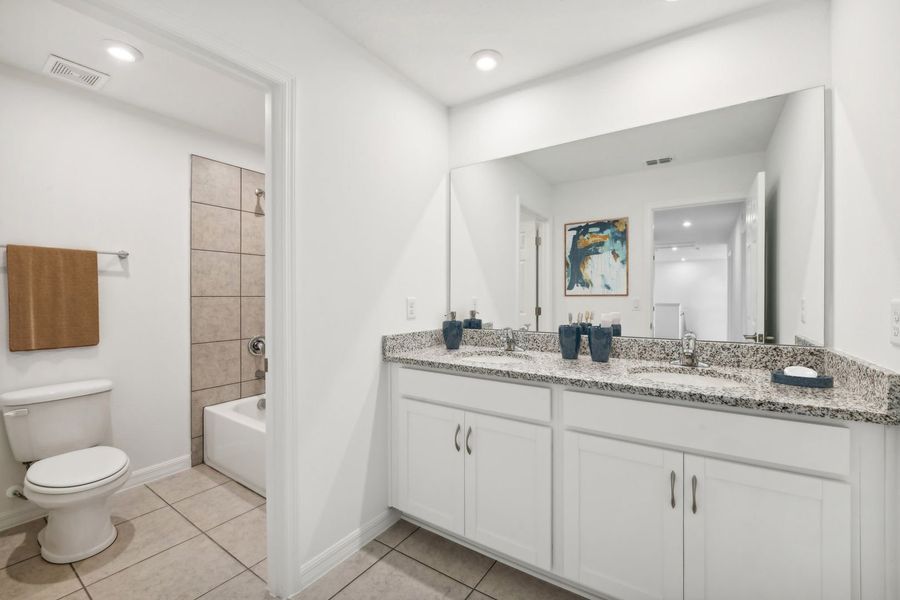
(755, 271)
(527, 270)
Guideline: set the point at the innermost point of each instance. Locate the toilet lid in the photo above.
(77, 468)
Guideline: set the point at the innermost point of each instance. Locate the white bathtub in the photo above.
(234, 441)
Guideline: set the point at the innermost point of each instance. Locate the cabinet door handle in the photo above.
(672, 482)
(456, 437)
(468, 435)
(694, 494)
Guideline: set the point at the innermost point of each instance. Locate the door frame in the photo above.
(649, 245)
(156, 24)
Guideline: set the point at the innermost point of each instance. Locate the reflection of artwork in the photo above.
(597, 258)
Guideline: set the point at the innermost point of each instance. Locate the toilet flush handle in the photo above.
(19, 412)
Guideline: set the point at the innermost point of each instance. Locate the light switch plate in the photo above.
(895, 321)
(635, 304)
(410, 308)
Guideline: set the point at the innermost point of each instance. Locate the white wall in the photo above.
(795, 205)
(370, 172)
(866, 179)
(82, 171)
(484, 235)
(700, 285)
(633, 195)
(779, 49)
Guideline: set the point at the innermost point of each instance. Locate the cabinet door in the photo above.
(623, 518)
(508, 487)
(431, 464)
(761, 534)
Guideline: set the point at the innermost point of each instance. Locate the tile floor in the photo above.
(196, 534)
(408, 563)
(199, 535)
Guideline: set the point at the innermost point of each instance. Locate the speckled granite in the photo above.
(725, 354)
(861, 393)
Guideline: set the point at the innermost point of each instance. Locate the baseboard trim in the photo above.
(23, 514)
(29, 512)
(158, 471)
(344, 548)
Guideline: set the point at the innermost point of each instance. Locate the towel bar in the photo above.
(120, 253)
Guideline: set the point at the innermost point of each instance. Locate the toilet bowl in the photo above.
(63, 432)
(75, 489)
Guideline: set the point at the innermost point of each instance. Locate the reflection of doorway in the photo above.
(532, 278)
(700, 279)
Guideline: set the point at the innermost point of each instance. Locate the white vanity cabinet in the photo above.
(642, 522)
(634, 499)
(485, 477)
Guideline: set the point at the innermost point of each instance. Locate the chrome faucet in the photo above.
(508, 337)
(690, 356)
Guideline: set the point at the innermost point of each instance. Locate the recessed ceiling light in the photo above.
(683, 259)
(486, 60)
(674, 248)
(686, 224)
(123, 52)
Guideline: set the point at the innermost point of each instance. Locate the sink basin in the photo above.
(498, 358)
(704, 379)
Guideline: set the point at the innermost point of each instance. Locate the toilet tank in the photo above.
(50, 420)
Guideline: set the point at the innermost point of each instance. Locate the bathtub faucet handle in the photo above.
(257, 346)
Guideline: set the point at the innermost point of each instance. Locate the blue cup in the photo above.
(600, 342)
(569, 341)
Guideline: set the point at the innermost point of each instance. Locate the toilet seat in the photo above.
(77, 471)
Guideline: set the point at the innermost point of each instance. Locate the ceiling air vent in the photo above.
(659, 161)
(65, 69)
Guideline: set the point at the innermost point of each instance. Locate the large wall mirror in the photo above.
(712, 223)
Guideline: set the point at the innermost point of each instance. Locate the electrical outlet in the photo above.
(895, 322)
(635, 304)
(410, 308)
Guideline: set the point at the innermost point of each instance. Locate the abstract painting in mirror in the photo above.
(712, 223)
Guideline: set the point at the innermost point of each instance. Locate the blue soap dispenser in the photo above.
(472, 322)
(452, 330)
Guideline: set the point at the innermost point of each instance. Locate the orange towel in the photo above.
(53, 299)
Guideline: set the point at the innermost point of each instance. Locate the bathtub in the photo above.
(234, 441)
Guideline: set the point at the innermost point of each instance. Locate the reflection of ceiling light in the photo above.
(674, 248)
(486, 60)
(686, 224)
(123, 52)
(683, 259)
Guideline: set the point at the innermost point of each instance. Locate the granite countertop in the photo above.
(747, 388)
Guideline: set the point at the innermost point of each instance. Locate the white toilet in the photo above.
(66, 429)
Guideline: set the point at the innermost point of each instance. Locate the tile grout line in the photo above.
(475, 589)
(80, 582)
(199, 533)
(217, 586)
(380, 558)
(413, 558)
(202, 532)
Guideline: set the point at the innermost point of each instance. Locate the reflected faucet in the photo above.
(508, 337)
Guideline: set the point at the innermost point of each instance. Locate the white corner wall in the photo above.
(82, 171)
(370, 173)
(795, 199)
(780, 48)
(484, 236)
(866, 177)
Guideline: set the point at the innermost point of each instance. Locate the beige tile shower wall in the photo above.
(227, 287)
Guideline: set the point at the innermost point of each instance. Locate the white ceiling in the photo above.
(710, 224)
(163, 82)
(430, 41)
(731, 131)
